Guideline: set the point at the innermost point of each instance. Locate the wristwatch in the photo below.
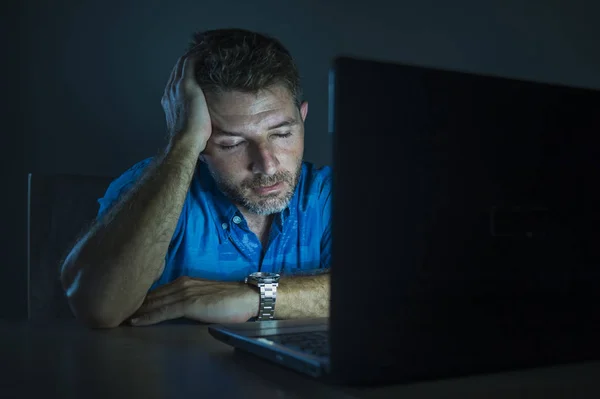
(267, 283)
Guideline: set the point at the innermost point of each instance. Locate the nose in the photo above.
(264, 160)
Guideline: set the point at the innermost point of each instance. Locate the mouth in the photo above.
(268, 189)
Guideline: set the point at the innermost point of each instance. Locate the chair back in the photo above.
(60, 209)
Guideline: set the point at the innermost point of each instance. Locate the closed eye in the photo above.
(230, 147)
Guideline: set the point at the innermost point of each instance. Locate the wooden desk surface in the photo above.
(67, 360)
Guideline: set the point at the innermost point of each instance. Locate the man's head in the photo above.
(253, 92)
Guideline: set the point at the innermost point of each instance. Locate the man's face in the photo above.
(256, 147)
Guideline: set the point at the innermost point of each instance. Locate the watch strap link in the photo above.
(268, 295)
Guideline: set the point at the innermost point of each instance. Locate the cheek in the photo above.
(291, 145)
(228, 167)
(292, 151)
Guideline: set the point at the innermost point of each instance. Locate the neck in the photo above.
(259, 225)
(255, 220)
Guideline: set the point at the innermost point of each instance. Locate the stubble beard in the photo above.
(244, 194)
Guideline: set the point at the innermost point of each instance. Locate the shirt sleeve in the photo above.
(120, 186)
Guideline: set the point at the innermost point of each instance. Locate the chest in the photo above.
(261, 230)
(233, 254)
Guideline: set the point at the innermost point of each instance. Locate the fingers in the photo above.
(180, 67)
(188, 71)
(184, 69)
(173, 76)
(206, 301)
(169, 312)
(169, 289)
(176, 286)
(176, 74)
(153, 304)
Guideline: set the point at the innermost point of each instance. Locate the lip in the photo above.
(269, 189)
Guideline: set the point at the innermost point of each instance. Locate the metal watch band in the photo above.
(268, 295)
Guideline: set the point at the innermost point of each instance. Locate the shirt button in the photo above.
(224, 225)
(237, 219)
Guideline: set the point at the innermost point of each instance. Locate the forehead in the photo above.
(239, 111)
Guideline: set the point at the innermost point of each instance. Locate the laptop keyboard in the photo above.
(313, 342)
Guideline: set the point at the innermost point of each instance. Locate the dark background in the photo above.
(83, 79)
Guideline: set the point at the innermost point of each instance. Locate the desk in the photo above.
(66, 360)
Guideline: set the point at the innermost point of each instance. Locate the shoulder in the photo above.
(316, 174)
(133, 173)
(130, 176)
(314, 185)
(315, 179)
(123, 183)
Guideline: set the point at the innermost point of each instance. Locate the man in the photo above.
(177, 235)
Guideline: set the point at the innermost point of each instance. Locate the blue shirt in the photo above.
(213, 241)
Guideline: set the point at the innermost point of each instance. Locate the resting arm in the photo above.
(302, 297)
(308, 296)
(109, 271)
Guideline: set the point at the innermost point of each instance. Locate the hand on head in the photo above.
(185, 105)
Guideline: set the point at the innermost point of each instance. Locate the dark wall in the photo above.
(14, 162)
(98, 69)
(95, 71)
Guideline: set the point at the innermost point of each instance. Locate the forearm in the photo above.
(303, 297)
(108, 273)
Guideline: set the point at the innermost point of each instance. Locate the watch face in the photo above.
(261, 277)
(264, 275)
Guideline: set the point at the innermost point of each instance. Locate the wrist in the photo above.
(188, 141)
(266, 284)
(253, 300)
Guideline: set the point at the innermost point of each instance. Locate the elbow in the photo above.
(87, 306)
(96, 300)
(93, 319)
(93, 314)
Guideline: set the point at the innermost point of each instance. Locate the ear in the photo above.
(304, 110)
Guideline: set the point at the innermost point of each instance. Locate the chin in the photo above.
(268, 206)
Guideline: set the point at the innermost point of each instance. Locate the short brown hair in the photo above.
(241, 60)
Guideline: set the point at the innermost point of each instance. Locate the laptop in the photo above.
(466, 238)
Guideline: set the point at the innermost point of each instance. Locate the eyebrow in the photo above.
(286, 123)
